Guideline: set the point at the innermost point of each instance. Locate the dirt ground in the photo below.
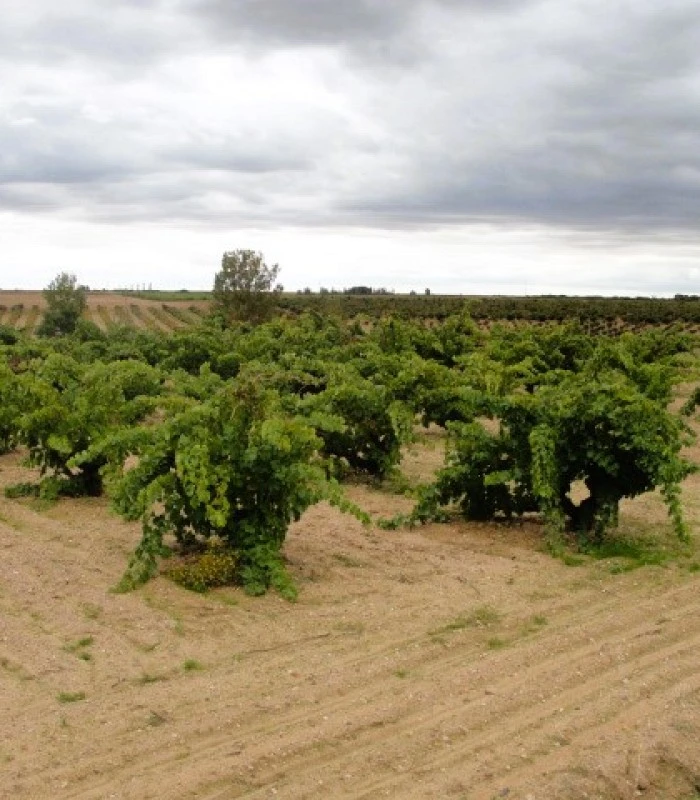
(103, 308)
(14, 297)
(456, 661)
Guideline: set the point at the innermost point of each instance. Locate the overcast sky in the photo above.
(469, 146)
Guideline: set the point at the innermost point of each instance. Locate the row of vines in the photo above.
(600, 314)
(164, 317)
(216, 436)
(596, 315)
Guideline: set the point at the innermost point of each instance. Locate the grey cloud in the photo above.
(63, 160)
(613, 137)
(122, 37)
(176, 194)
(243, 160)
(239, 152)
(311, 22)
(367, 25)
(58, 145)
(90, 38)
(550, 188)
(30, 198)
(577, 115)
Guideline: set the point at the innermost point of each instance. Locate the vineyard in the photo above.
(597, 314)
(350, 555)
(167, 311)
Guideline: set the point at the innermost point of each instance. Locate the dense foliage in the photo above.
(226, 433)
(599, 315)
(245, 285)
(604, 434)
(65, 301)
(63, 407)
(234, 467)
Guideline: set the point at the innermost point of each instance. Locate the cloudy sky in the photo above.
(469, 146)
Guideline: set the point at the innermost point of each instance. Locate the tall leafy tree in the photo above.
(245, 286)
(65, 301)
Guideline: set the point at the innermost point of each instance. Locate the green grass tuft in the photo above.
(70, 697)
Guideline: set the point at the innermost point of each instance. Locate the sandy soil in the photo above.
(12, 297)
(104, 309)
(454, 661)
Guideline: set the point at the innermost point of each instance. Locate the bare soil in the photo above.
(103, 308)
(15, 297)
(453, 661)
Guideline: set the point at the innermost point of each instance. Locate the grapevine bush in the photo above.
(10, 407)
(67, 407)
(605, 433)
(373, 424)
(234, 467)
(228, 432)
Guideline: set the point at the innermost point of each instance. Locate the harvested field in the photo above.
(23, 309)
(454, 661)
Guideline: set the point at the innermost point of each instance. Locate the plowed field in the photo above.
(24, 309)
(454, 661)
